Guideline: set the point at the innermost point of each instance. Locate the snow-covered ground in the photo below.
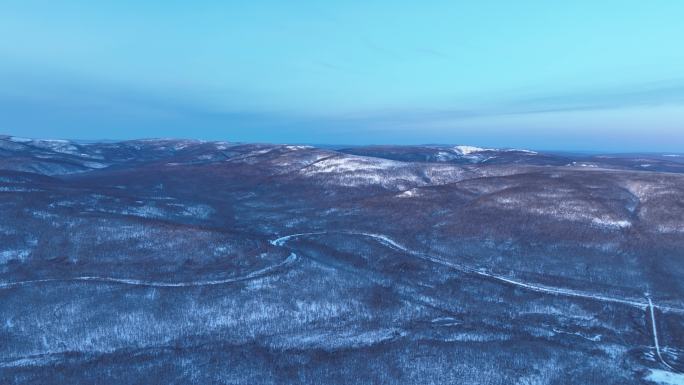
(665, 377)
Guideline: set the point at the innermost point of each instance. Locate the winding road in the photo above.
(385, 240)
(655, 336)
(388, 242)
(139, 282)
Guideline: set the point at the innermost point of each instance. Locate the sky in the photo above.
(577, 75)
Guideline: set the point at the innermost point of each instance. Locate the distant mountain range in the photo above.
(63, 157)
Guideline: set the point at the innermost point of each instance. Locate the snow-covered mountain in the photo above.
(288, 263)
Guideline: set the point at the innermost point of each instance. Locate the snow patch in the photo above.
(354, 171)
(530, 152)
(332, 340)
(56, 145)
(409, 193)
(582, 164)
(198, 211)
(445, 321)
(9, 255)
(29, 361)
(606, 222)
(467, 150)
(94, 165)
(670, 229)
(351, 164)
(508, 201)
(664, 377)
(295, 148)
(18, 189)
(594, 338)
(19, 139)
(444, 156)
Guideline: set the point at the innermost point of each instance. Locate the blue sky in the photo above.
(581, 75)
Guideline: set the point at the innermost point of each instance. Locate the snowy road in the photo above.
(387, 241)
(655, 336)
(138, 282)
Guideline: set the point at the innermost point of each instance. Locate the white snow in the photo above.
(607, 222)
(525, 151)
(508, 201)
(57, 145)
(29, 361)
(559, 206)
(295, 148)
(198, 211)
(19, 139)
(444, 156)
(582, 164)
(664, 377)
(351, 164)
(281, 241)
(17, 189)
(445, 321)
(477, 154)
(386, 240)
(594, 338)
(251, 156)
(8, 255)
(655, 335)
(354, 171)
(94, 164)
(409, 193)
(467, 150)
(337, 339)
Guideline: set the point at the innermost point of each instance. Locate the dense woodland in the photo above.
(168, 261)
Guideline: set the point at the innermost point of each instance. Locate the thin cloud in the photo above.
(640, 95)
